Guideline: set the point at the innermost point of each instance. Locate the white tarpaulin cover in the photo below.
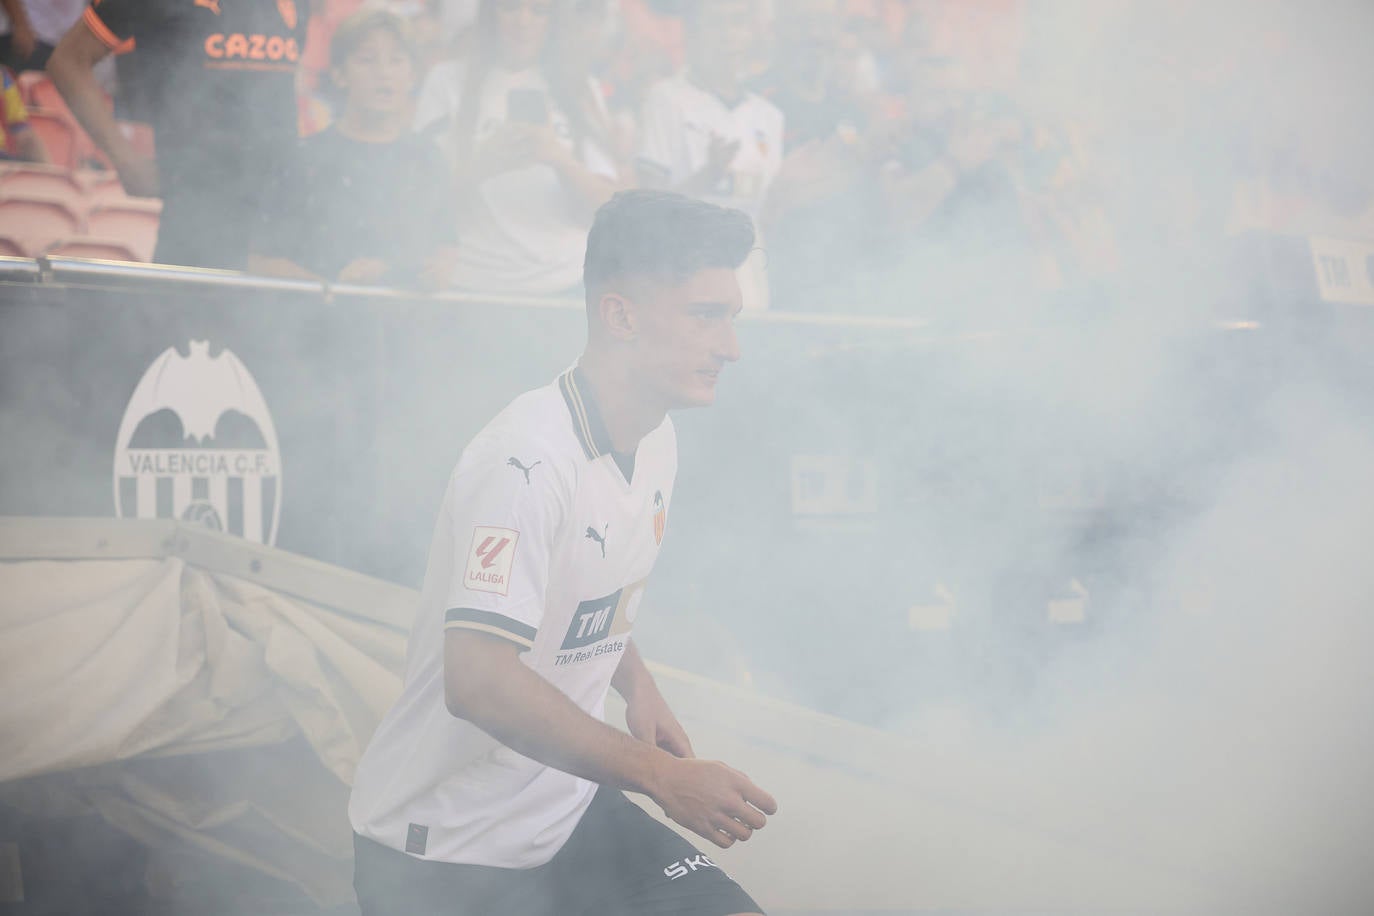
(158, 663)
(196, 691)
(128, 658)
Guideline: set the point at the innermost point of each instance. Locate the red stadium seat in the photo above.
(103, 187)
(31, 178)
(26, 80)
(36, 222)
(85, 246)
(133, 222)
(42, 95)
(58, 135)
(39, 92)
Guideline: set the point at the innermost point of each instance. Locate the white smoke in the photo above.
(1208, 722)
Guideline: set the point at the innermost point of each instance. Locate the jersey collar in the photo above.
(587, 423)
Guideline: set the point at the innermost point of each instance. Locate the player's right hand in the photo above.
(712, 800)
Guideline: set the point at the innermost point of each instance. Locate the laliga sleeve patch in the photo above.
(490, 559)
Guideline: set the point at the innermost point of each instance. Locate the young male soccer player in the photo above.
(493, 786)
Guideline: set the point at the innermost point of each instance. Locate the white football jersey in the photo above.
(679, 120)
(541, 540)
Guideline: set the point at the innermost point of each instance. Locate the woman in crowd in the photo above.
(530, 142)
(364, 201)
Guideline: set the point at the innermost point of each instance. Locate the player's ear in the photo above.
(617, 315)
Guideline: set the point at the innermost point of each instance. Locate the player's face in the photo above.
(685, 335)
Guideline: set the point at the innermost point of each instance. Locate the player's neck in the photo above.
(628, 417)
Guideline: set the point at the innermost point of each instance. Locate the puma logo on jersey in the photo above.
(515, 463)
(599, 538)
(211, 5)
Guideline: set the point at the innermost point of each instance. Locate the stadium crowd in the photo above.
(464, 144)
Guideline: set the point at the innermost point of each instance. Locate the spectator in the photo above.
(219, 88)
(705, 134)
(30, 29)
(1065, 207)
(958, 226)
(313, 104)
(581, 47)
(366, 200)
(531, 152)
(650, 48)
(932, 143)
(814, 78)
(819, 217)
(17, 139)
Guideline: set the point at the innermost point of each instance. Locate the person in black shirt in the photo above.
(365, 201)
(220, 93)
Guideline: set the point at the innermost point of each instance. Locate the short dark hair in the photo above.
(662, 236)
(351, 32)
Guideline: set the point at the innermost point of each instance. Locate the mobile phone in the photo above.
(527, 106)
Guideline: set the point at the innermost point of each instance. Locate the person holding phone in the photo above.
(705, 134)
(530, 148)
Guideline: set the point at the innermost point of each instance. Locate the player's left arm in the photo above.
(646, 712)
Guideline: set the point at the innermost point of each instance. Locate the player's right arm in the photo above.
(486, 683)
(506, 505)
(72, 68)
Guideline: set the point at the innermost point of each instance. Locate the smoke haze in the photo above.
(1095, 559)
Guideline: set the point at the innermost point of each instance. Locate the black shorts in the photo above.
(619, 861)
